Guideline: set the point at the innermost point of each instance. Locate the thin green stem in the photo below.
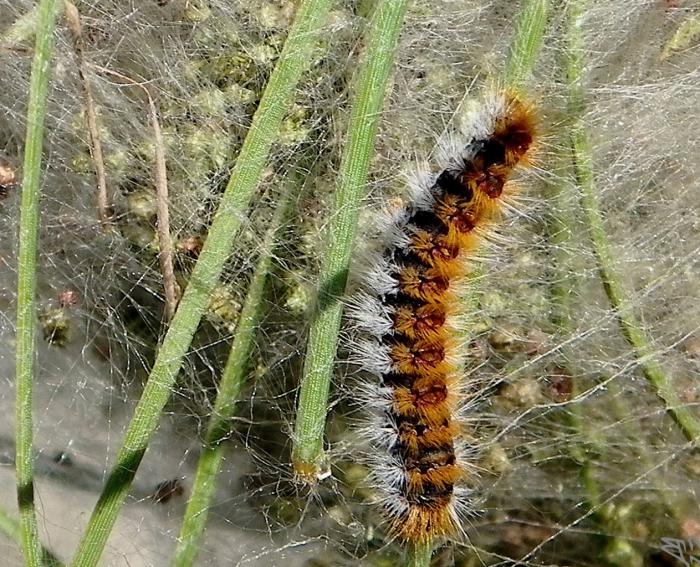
(371, 81)
(26, 280)
(420, 554)
(226, 224)
(24, 27)
(230, 386)
(565, 283)
(11, 528)
(526, 43)
(619, 299)
(587, 440)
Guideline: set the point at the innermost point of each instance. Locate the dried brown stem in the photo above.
(104, 210)
(165, 244)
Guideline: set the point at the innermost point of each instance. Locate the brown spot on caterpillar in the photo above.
(416, 357)
(432, 248)
(485, 176)
(419, 322)
(456, 212)
(429, 406)
(438, 477)
(490, 184)
(422, 284)
(516, 130)
(431, 396)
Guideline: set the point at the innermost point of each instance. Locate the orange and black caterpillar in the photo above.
(411, 306)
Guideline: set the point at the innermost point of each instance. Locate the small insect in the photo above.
(8, 178)
(67, 298)
(166, 490)
(63, 459)
(559, 385)
(190, 245)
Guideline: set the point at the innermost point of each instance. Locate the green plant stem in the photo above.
(526, 43)
(370, 86)
(420, 554)
(232, 381)
(26, 280)
(226, 224)
(586, 440)
(564, 285)
(25, 26)
(11, 528)
(630, 327)
(688, 423)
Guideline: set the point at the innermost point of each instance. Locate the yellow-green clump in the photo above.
(523, 393)
(276, 15)
(141, 236)
(55, 325)
(687, 34)
(82, 163)
(142, 204)
(209, 103)
(496, 460)
(234, 67)
(621, 552)
(223, 309)
(299, 296)
(295, 128)
(236, 94)
(264, 54)
(209, 145)
(197, 11)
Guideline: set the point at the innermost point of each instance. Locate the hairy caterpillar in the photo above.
(411, 307)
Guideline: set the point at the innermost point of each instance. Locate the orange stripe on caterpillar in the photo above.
(419, 437)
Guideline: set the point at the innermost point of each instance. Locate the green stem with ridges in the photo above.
(244, 179)
(420, 554)
(686, 420)
(565, 283)
(371, 81)
(587, 439)
(10, 527)
(26, 280)
(24, 27)
(230, 386)
(526, 43)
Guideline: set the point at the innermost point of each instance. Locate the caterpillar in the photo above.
(410, 305)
